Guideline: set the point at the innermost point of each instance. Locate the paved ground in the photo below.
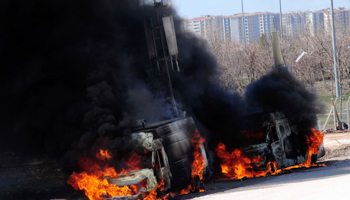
(317, 183)
(331, 182)
(44, 180)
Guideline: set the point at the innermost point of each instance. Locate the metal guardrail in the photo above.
(332, 110)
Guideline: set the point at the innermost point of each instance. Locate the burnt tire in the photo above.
(313, 158)
(196, 184)
(176, 140)
(272, 168)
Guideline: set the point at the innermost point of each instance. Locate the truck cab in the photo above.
(169, 145)
(280, 142)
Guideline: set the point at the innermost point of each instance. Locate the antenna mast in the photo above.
(165, 28)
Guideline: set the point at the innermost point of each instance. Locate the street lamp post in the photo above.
(281, 21)
(335, 57)
(243, 26)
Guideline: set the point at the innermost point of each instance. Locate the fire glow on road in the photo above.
(95, 186)
(235, 165)
(330, 182)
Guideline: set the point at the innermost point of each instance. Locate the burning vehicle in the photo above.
(168, 145)
(279, 141)
(98, 77)
(271, 144)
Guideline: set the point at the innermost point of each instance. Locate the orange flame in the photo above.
(93, 183)
(103, 155)
(97, 188)
(198, 161)
(314, 142)
(198, 158)
(236, 165)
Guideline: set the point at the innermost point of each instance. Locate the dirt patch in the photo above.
(337, 146)
(340, 152)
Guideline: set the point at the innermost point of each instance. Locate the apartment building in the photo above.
(196, 26)
(255, 25)
(236, 32)
(229, 28)
(316, 21)
(341, 19)
(268, 22)
(209, 27)
(294, 23)
(320, 21)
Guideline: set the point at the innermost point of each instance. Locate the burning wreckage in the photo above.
(282, 144)
(173, 154)
(169, 146)
(179, 164)
(80, 112)
(274, 145)
(174, 159)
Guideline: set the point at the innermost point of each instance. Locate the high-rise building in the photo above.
(236, 30)
(341, 19)
(195, 25)
(230, 28)
(316, 21)
(209, 27)
(294, 23)
(255, 25)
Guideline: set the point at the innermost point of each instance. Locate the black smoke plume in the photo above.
(75, 75)
(280, 91)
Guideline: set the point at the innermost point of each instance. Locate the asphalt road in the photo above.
(331, 182)
(44, 180)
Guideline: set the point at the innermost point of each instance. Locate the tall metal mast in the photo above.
(335, 57)
(281, 21)
(159, 27)
(243, 26)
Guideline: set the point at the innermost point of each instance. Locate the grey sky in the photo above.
(195, 8)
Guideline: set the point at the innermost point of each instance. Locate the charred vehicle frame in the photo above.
(169, 143)
(282, 144)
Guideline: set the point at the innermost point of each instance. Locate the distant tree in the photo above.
(263, 40)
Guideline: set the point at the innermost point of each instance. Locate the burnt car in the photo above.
(169, 147)
(276, 139)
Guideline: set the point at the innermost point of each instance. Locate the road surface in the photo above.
(331, 182)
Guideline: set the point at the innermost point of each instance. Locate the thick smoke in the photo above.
(280, 91)
(75, 75)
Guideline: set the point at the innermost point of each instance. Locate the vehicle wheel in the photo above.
(202, 186)
(272, 168)
(196, 184)
(313, 158)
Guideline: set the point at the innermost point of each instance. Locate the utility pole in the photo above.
(335, 57)
(281, 21)
(160, 26)
(243, 27)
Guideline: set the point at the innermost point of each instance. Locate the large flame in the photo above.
(314, 142)
(198, 161)
(236, 165)
(97, 188)
(94, 185)
(198, 158)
